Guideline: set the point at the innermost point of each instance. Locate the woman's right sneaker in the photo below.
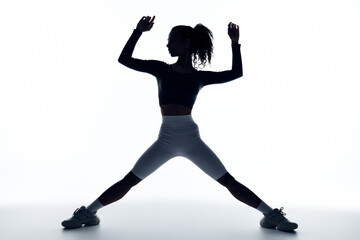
(81, 216)
(276, 219)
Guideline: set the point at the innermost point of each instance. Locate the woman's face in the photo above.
(176, 44)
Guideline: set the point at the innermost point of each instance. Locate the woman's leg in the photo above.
(201, 155)
(119, 189)
(88, 216)
(155, 156)
(239, 191)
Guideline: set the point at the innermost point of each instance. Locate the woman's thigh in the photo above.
(203, 157)
(155, 156)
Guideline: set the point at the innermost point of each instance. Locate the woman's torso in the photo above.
(174, 110)
(182, 86)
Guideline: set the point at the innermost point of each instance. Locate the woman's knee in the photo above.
(131, 179)
(227, 180)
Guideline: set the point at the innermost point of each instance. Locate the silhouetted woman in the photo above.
(178, 86)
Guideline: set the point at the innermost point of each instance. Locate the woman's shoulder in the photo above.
(156, 62)
(155, 65)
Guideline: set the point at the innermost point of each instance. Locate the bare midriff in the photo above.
(174, 109)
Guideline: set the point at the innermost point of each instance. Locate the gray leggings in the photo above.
(179, 136)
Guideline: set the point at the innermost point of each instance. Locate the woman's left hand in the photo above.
(233, 32)
(145, 24)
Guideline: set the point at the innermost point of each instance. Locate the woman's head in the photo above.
(196, 41)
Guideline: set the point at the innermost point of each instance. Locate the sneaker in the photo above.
(81, 216)
(276, 219)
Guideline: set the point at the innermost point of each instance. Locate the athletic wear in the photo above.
(276, 219)
(264, 208)
(94, 206)
(179, 136)
(81, 216)
(175, 87)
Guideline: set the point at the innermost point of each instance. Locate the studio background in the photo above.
(73, 121)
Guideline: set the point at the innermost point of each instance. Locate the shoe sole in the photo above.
(289, 228)
(90, 223)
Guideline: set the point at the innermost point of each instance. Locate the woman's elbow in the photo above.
(121, 59)
(239, 74)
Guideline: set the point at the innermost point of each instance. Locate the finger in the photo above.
(152, 20)
(150, 26)
(149, 20)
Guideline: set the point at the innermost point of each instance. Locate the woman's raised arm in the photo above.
(236, 70)
(125, 58)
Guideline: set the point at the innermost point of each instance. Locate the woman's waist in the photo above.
(175, 110)
(178, 123)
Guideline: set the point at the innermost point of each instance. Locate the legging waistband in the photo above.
(178, 124)
(177, 119)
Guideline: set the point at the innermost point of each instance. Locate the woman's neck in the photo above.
(184, 62)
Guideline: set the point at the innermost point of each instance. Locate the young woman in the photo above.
(178, 86)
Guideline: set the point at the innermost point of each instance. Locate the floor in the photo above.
(174, 220)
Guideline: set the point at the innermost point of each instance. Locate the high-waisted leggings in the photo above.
(179, 136)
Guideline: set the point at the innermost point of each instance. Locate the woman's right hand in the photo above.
(233, 31)
(145, 24)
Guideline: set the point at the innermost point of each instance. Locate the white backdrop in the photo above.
(73, 121)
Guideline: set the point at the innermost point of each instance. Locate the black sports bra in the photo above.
(176, 87)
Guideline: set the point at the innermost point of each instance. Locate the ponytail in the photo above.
(202, 46)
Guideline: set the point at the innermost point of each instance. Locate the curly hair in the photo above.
(201, 46)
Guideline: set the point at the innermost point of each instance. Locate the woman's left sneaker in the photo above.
(81, 216)
(276, 219)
